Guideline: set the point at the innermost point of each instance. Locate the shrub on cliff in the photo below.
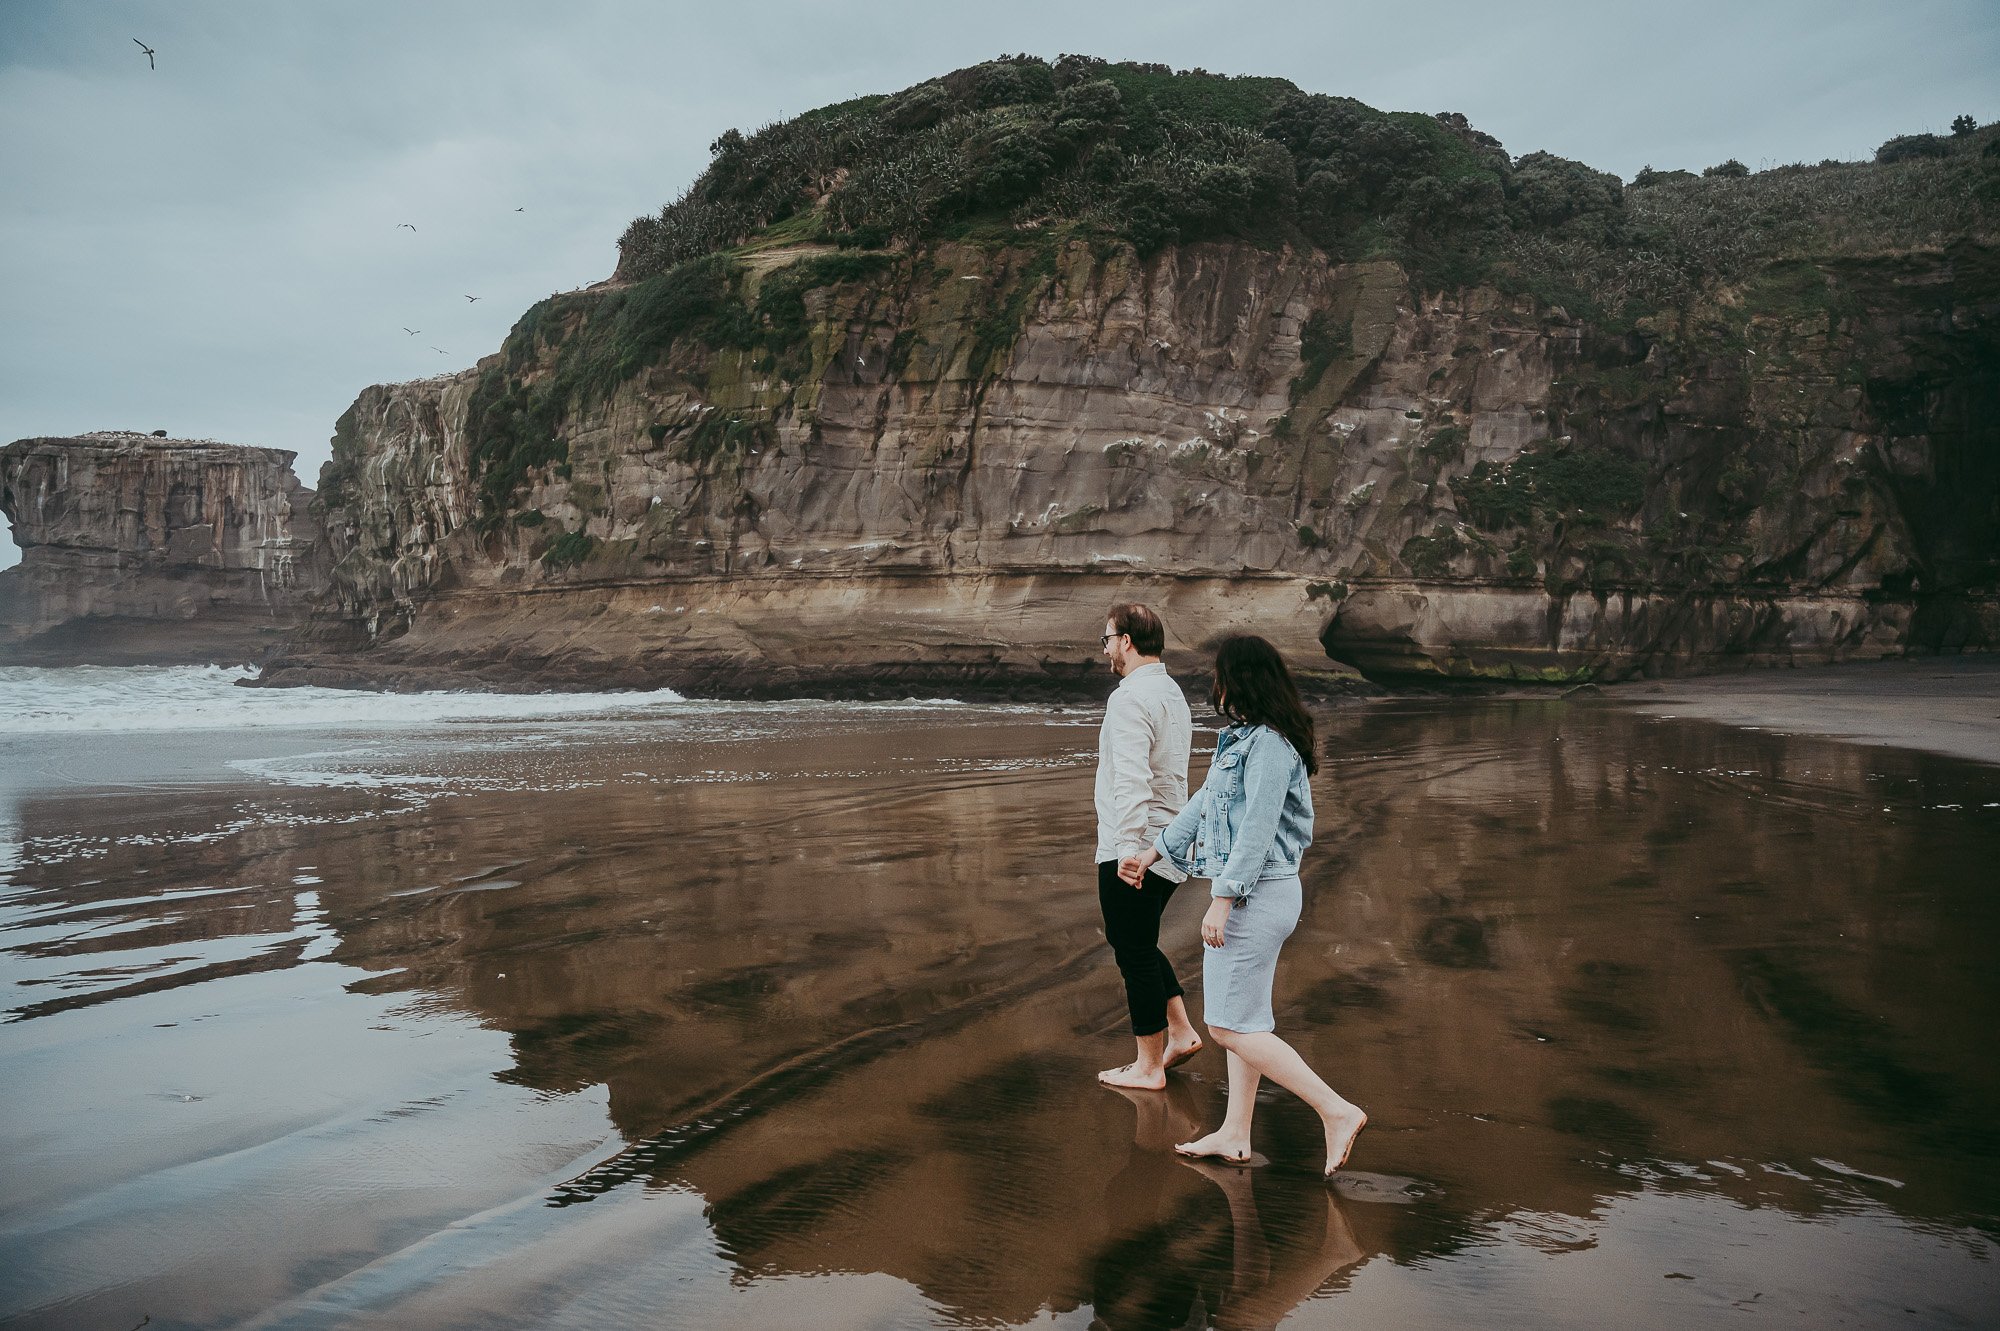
(1432, 556)
(1550, 193)
(1199, 185)
(1554, 481)
(696, 300)
(1368, 179)
(1726, 229)
(752, 182)
(1648, 177)
(1009, 81)
(1322, 341)
(568, 550)
(1006, 164)
(1132, 151)
(1906, 146)
(780, 323)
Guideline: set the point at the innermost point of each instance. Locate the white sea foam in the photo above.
(156, 699)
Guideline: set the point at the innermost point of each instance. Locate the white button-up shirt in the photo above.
(1142, 762)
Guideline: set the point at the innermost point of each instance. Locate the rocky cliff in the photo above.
(141, 550)
(1467, 485)
(833, 450)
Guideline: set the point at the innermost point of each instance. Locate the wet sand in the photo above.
(789, 1015)
(1948, 705)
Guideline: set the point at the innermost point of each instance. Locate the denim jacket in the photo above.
(1252, 818)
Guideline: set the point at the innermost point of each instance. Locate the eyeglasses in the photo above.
(1108, 637)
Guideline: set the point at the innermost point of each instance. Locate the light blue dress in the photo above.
(1245, 830)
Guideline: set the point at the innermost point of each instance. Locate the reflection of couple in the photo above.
(1244, 831)
(1175, 1267)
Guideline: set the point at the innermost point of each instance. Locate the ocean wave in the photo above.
(155, 699)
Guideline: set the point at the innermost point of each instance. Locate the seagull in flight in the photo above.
(468, 297)
(412, 331)
(401, 225)
(520, 210)
(149, 54)
(440, 351)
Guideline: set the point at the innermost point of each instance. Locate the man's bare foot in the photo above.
(1132, 1077)
(1179, 1053)
(1215, 1146)
(1341, 1130)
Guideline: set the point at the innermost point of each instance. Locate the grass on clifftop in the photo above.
(1135, 152)
(1150, 156)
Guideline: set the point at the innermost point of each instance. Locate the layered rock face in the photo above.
(140, 550)
(936, 471)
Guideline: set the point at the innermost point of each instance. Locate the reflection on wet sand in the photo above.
(1270, 1273)
(1615, 990)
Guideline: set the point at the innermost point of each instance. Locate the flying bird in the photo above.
(401, 225)
(440, 351)
(149, 54)
(520, 210)
(468, 297)
(411, 331)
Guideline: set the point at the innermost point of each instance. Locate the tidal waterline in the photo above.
(733, 1016)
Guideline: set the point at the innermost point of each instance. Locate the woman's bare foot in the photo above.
(1216, 1146)
(1179, 1053)
(1132, 1077)
(1341, 1130)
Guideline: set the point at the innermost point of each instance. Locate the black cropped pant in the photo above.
(1132, 926)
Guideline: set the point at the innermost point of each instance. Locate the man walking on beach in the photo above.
(1142, 759)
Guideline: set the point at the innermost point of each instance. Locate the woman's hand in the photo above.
(1217, 919)
(1133, 867)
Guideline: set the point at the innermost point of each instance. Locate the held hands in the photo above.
(1132, 869)
(1217, 919)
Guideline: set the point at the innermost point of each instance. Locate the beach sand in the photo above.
(1948, 705)
(789, 1015)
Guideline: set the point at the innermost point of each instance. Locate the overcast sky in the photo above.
(213, 247)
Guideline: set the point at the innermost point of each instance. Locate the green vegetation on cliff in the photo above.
(1145, 155)
(1133, 152)
(597, 341)
(1552, 481)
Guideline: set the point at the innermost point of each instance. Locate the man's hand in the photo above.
(1217, 919)
(1133, 867)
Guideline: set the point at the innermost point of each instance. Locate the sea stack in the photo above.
(137, 550)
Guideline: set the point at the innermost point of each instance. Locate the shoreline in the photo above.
(1946, 705)
(968, 682)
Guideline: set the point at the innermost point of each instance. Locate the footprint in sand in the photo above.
(1360, 1186)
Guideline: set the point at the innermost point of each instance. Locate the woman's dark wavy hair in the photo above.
(1253, 687)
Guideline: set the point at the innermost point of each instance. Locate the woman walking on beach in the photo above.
(1245, 831)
